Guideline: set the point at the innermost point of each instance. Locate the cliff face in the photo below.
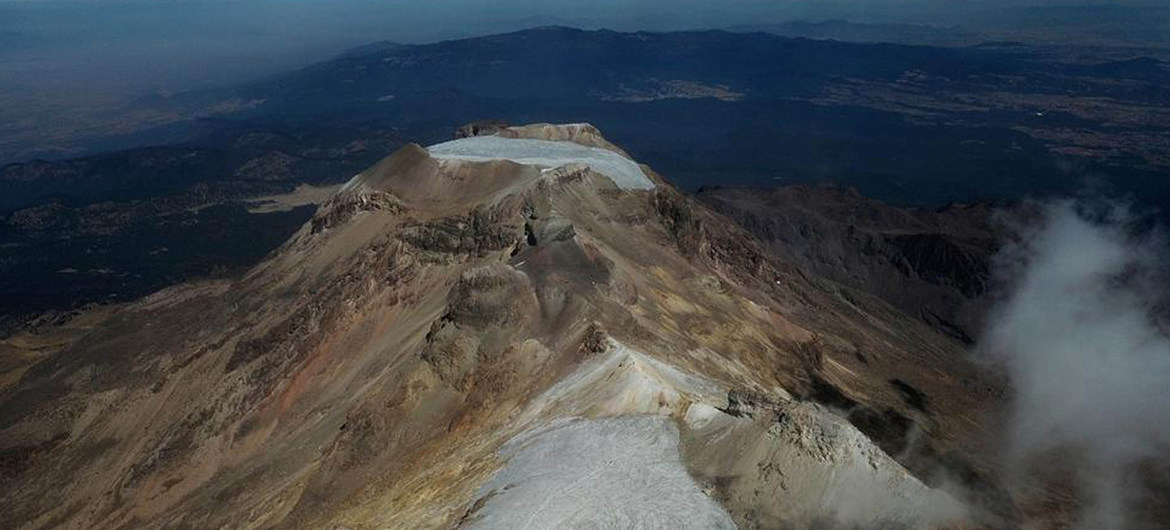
(481, 342)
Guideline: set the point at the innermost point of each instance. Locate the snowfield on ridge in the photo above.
(545, 153)
(617, 472)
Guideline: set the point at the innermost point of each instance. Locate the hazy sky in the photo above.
(119, 45)
(115, 46)
(57, 56)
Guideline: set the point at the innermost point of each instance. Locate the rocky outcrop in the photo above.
(480, 232)
(344, 206)
(579, 133)
(480, 128)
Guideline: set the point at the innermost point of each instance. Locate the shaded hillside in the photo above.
(931, 263)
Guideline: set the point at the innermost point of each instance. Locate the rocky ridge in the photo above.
(434, 325)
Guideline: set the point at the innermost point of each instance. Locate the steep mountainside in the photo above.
(457, 339)
(931, 263)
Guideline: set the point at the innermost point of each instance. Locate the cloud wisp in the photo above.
(1089, 366)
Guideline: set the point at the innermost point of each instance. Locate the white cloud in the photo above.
(1090, 369)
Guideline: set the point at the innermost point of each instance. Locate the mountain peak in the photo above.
(486, 167)
(455, 317)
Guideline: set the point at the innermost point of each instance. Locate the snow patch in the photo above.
(700, 415)
(546, 154)
(625, 381)
(623, 472)
(817, 468)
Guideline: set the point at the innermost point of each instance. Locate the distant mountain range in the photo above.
(846, 30)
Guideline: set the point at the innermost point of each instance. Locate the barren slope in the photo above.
(448, 328)
(930, 263)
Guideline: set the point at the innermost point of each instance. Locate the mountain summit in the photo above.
(525, 329)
